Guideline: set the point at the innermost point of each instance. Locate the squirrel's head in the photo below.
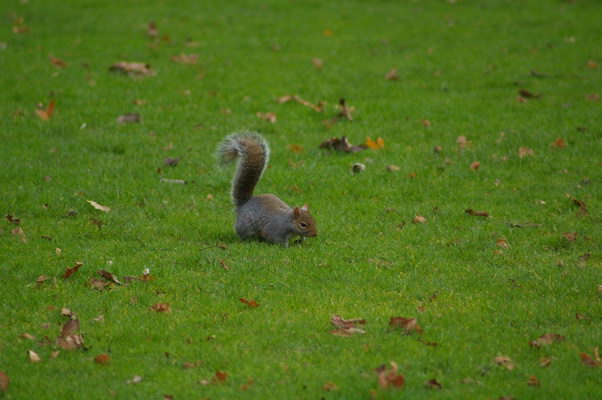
(304, 223)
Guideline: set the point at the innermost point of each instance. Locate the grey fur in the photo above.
(275, 227)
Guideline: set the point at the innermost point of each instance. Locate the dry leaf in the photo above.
(528, 95)
(4, 381)
(571, 236)
(224, 265)
(503, 243)
(71, 271)
(295, 148)
(559, 142)
(592, 97)
(463, 142)
(392, 75)
(316, 107)
(546, 339)
(388, 377)
(128, 118)
(545, 362)
(161, 307)
(476, 213)
(374, 145)
(152, 30)
(318, 63)
(475, 165)
(591, 64)
(525, 152)
(98, 206)
(329, 386)
(433, 384)
(67, 312)
(57, 62)
(419, 219)
(533, 381)
(108, 276)
(102, 359)
(250, 303)
(185, 58)
(46, 114)
(346, 327)
(245, 386)
(97, 284)
(13, 220)
(344, 110)
(18, 231)
(28, 336)
(41, 279)
(220, 376)
(426, 122)
(505, 361)
(392, 168)
(33, 356)
(591, 361)
(70, 327)
(269, 116)
(343, 145)
(132, 68)
(582, 206)
(407, 325)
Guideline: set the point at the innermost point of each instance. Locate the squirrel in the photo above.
(262, 216)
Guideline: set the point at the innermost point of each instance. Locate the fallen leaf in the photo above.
(433, 384)
(559, 142)
(33, 356)
(132, 68)
(419, 219)
(592, 97)
(528, 95)
(41, 279)
(392, 168)
(346, 327)
(128, 118)
(318, 63)
(407, 325)
(67, 312)
(476, 213)
(582, 206)
(463, 142)
(287, 98)
(374, 145)
(570, 236)
(591, 361)
(161, 307)
(505, 361)
(55, 354)
(268, 116)
(591, 64)
(18, 231)
(525, 152)
(250, 303)
(533, 381)
(503, 243)
(71, 271)
(98, 206)
(171, 162)
(224, 265)
(135, 379)
(521, 99)
(344, 110)
(108, 276)
(475, 165)
(102, 359)
(426, 122)
(220, 376)
(13, 220)
(392, 75)
(343, 145)
(68, 339)
(545, 362)
(295, 148)
(97, 284)
(152, 30)
(437, 149)
(329, 386)
(388, 376)
(185, 58)
(57, 62)
(46, 114)
(327, 32)
(70, 327)
(27, 336)
(546, 339)
(4, 381)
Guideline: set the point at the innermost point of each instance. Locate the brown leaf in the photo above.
(374, 145)
(57, 62)
(41, 279)
(545, 362)
(433, 384)
(559, 142)
(426, 122)
(161, 307)
(419, 219)
(582, 206)
(152, 30)
(33, 356)
(250, 303)
(533, 381)
(591, 361)
(102, 359)
(475, 165)
(97, 284)
(128, 118)
(591, 64)
(185, 58)
(546, 339)
(316, 107)
(580, 317)
(528, 95)
(18, 231)
(463, 142)
(392, 168)
(343, 145)
(318, 63)
(71, 271)
(295, 148)
(407, 325)
(570, 236)
(392, 75)
(132, 68)
(224, 265)
(346, 327)
(28, 336)
(476, 213)
(525, 152)
(592, 97)
(505, 361)
(268, 116)
(245, 386)
(70, 327)
(220, 376)
(4, 381)
(388, 377)
(13, 220)
(46, 114)
(98, 206)
(329, 386)
(344, 110)
(503, 243)
(108, 276)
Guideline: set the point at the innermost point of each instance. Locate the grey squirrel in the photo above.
(264, 216)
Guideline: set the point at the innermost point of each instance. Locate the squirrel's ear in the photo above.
(305, 207)
(296, 212)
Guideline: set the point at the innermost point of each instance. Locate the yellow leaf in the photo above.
(374, 145)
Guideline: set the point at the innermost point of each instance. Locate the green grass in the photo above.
(460, 66)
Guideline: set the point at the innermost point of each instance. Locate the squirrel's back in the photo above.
(253, 151)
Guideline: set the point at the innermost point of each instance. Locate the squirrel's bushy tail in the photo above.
(254, 152)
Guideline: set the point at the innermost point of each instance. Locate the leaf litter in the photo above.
(139, 69)
(406, 325)
(70, 271)
(388, 377)
(346, 327)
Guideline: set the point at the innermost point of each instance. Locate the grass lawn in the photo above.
(494, 106)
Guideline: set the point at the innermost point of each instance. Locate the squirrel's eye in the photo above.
(303, 224)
